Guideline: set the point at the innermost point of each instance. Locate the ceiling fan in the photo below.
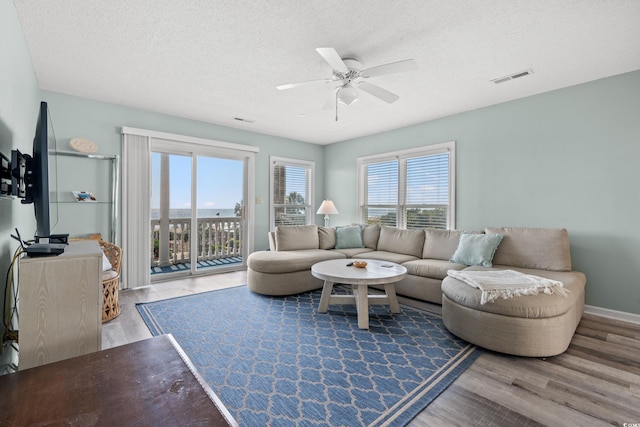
(349, 78)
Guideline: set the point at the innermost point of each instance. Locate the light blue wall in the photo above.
(562, 159)
(567, 158)
(19, 101)
(102, 122)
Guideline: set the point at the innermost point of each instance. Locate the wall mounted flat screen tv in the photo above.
(34, 177)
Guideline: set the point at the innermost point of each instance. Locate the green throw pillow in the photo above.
(349, 237)
(476, 249)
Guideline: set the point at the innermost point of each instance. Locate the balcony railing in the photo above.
(217, 238)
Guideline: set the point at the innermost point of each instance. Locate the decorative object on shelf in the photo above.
(83, 145)
(327, 208)
(84, 197)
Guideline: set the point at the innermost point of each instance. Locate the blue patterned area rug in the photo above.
(277, 361)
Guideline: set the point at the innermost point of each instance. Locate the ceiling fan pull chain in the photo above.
(337, 104)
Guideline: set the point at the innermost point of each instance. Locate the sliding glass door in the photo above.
(170, 212)
(220, 212)
(197, 216)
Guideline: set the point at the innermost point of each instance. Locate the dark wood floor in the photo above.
(595, 382)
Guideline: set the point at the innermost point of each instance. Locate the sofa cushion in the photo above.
(353, 252)
(537, 248)
(529, 306)
(272, 241)
(440, 244)
(476, 249)
(349, 236)
(370, 236)
(407, 242)
(387, 256)
(289, 261)
(432, 268)
(109, 275)
(296, 237)
(106, 264)
(327, 237)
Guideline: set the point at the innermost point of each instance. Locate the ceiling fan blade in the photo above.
(310, 83)
(394, 67)
(378, 92)
(331, 56)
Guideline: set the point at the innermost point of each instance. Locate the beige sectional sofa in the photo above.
(533, 325)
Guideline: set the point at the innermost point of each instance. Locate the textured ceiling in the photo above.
(216, 60)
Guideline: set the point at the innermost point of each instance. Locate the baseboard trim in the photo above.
(612, 314)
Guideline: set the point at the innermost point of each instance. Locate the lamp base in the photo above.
(326, 220)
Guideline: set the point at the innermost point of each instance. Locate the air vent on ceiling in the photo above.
(513, 76)
(240, 119)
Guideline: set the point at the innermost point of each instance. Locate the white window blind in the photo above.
(427, 191)
(409, 189)
(381, 192)
(291, 192)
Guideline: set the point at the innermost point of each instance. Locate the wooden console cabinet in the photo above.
(60, 305)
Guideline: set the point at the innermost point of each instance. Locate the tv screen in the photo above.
(36, 176)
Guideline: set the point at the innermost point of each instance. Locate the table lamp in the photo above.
(327, 208)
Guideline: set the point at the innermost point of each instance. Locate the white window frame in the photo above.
(284, 161)
(402, 156)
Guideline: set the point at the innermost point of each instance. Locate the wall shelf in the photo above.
(112, 200)
(83, 203)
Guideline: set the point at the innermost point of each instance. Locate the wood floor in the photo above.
(595, 382)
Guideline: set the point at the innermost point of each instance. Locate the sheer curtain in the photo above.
(136, 246)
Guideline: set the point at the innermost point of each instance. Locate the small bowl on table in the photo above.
(360, 264)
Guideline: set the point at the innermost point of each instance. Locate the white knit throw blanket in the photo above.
(505, 284)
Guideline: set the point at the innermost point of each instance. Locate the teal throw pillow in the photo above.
(476, 249)
(349, 237)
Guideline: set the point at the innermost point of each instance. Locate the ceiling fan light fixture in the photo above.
(348, 95)
(348, 79)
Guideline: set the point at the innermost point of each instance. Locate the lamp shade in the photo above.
(328, 208)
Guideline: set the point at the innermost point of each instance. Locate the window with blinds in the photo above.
(291, 192)
(427, 194)
(381, 193)
(409, 189)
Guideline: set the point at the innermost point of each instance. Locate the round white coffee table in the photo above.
(375, 273)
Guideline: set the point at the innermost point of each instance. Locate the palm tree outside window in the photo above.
(291, 192)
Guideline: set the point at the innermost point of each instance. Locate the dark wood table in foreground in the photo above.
(145, 383)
